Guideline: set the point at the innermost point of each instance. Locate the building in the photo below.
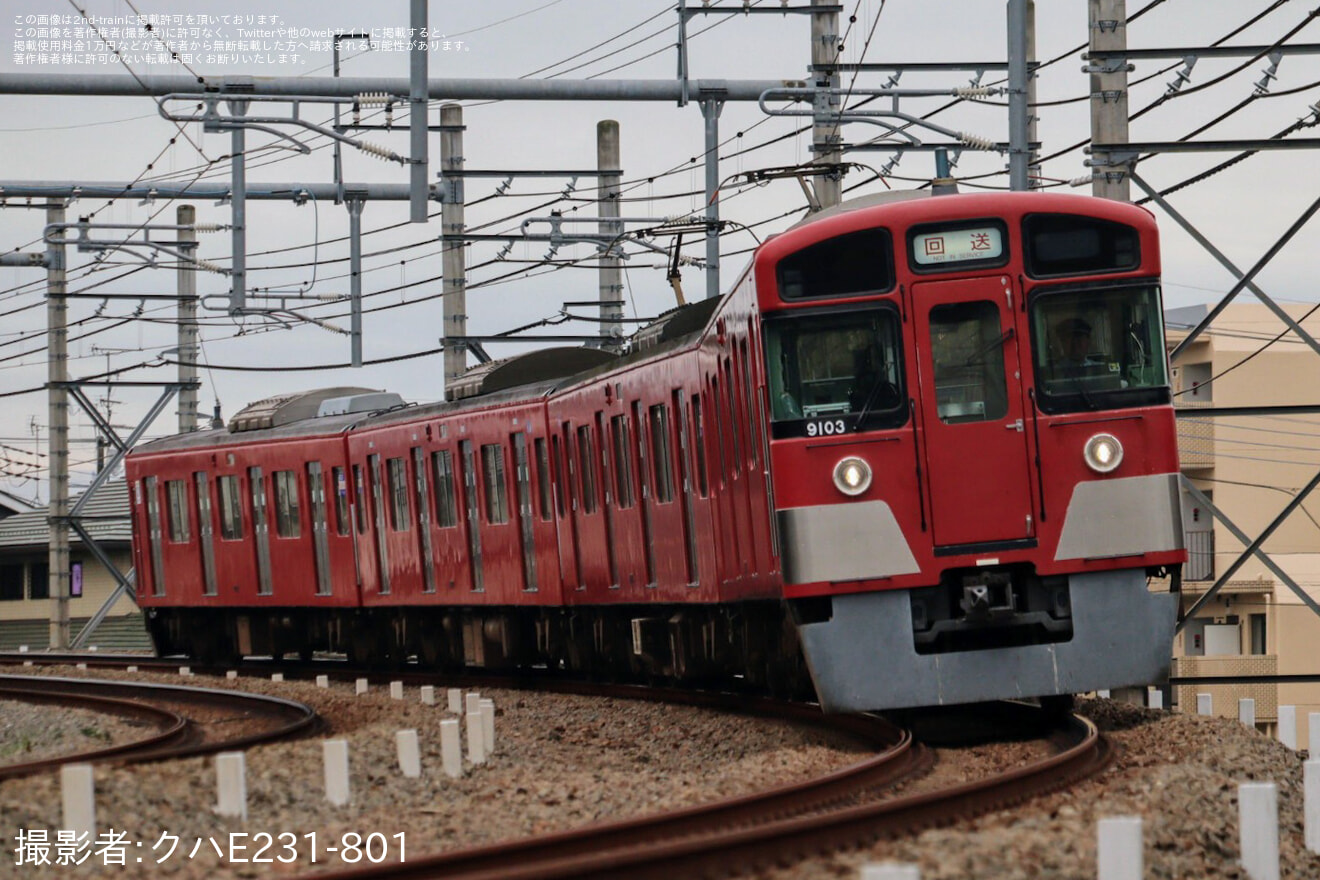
(1250, 468)
(25, 606)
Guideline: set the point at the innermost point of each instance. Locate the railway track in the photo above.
(776, 827)
(189, 721)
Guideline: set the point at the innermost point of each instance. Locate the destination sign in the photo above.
(957, 245)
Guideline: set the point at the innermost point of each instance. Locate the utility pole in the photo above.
(1109, 94)
(186, 217)
(1033, 117)
(355, 203)
(608, 163)
(454, 268)
(238, 202)
(712, 105)
(1021, 91)
(57, 318)
(419, 194)
(825, 132)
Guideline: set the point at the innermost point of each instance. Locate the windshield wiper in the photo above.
(871, 396)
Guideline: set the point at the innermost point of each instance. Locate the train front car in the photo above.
(974, 451)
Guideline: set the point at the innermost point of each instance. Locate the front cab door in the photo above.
(972, 413)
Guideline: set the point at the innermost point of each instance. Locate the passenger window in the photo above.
(735, 417)
(623, 465)
(587, 467)
(561, 477)
(662, 454)
(544, 488)
(287, 523)
(231, 508)
(497, 496)
(341, 500)
(360, 499)
(967, 347)
(699, 423)
(176, 492)
(442, 469)
(398, 473)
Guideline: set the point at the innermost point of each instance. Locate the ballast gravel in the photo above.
(560, 762)
(1179, 773)
(564, 761)
(32, 732)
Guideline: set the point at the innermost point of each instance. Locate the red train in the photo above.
(923, 451)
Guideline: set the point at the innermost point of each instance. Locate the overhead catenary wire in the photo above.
(420, 243)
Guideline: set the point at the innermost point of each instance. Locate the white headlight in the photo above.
(1103, 453)
(852, 476)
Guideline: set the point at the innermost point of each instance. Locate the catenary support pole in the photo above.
(1109, 94)
(454, 268)
(825, 131)
(238, 205)
(1019, 113)
(57, 317)
(186, 216)
(711, 107)
(1033, 117)
(418, 201)
(608, 162)
(354, 203)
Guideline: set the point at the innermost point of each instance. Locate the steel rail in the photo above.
(606, 851)
(290, 718)
(171, 727)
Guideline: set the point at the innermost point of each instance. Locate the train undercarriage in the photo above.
(752, 646)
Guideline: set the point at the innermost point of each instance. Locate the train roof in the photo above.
(675, 328)
(533, 367)
(211, 437)
(284, 409)
(524, 377)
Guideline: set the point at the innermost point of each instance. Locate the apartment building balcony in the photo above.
(1200, 557)
(1225, 697)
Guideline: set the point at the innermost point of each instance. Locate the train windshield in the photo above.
(841, 367)
(1099, 348)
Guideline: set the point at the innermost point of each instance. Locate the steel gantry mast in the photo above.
(1114, 161)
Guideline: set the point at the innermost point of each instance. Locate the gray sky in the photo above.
(1242, 210)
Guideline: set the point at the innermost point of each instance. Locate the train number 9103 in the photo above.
(826, 428)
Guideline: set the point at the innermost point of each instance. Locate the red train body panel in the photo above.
(913, 436)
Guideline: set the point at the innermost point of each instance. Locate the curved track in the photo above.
(258, 718)
(780, 826)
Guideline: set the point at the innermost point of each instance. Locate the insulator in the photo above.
(208, 266)
(1081, 181)
(368, 99)
(1181, 78)
(974, 140)
(209, 227)
(974, 94)
(380, 152)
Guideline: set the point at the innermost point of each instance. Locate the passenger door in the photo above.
(972, 413)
